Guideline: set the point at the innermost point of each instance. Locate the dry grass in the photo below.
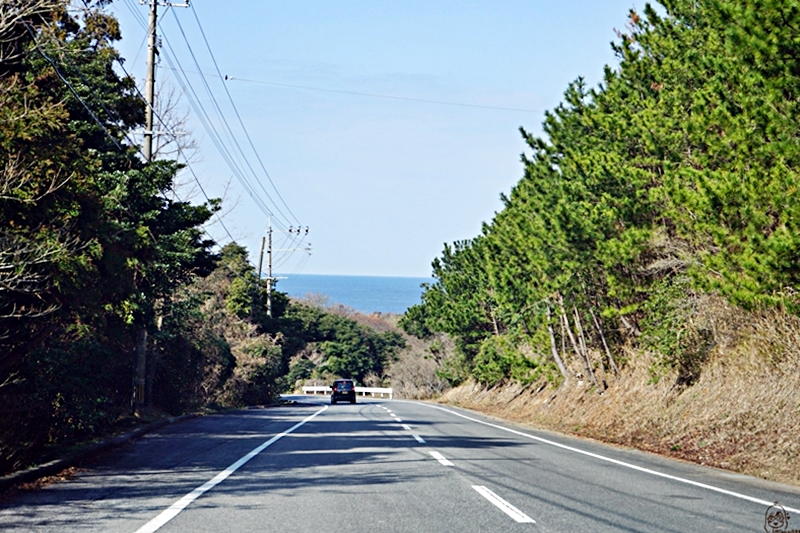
(742, 414)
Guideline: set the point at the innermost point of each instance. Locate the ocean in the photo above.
(367, 294)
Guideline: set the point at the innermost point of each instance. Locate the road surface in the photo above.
(384, 465)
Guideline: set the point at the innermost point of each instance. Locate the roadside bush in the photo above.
(259, 376)
(500, 358)
(301, 370)
(415, 372)
(61, 393)
(675, 330)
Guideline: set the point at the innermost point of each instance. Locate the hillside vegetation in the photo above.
(651, 250)
(101, 259)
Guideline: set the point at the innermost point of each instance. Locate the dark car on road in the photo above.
(343, 389)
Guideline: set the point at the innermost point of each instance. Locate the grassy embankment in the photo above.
(742, 414)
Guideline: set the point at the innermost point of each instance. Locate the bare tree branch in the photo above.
(173, 140)
(13, 15)
(22, 275)
(16, 176)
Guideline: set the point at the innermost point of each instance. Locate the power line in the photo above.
(121, 124)
(227, 77)
(224, 120)
(112, 115)
(384, 96)
(206, 122)
(238, 116)
(109, 112)
(71, 88)
(186, 159)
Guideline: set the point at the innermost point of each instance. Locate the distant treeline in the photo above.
(677, 177)
(100, 257)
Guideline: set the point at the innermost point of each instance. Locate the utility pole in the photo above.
(261, 256)
(150, 83)
(269, 278)
(140, 378)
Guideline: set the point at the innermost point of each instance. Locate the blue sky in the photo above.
(381, 183)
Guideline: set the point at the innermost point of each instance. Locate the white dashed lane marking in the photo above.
(404, 426)
(441, 458)
(503, 505)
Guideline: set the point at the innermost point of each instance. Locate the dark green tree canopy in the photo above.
(683, 161)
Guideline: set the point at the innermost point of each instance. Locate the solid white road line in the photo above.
(441, 458)
(616, 461)
(173, 510)
(503, 505)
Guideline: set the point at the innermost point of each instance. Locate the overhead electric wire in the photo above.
(71, 88)
(186, 159)
(224, 120)
(180, 153)
(384, 96)
(199, 110)
(112, 115)
(228, 77)
(108, 133)
(207, 123)
(160, 120)
(238, 116)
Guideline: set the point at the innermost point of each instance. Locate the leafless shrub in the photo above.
(16, 176)
(413, 374)
(13, 16)
(172, 140)
(315, 299)
(21, 272)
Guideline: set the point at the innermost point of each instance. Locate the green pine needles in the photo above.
(676, 176)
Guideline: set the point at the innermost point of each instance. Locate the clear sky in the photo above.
(381, 183)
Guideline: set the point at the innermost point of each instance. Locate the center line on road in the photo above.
(441, 458)
(173, 510)
(503, 505)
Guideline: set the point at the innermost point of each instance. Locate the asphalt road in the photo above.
(387, 466)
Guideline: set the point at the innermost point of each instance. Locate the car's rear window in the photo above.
(343, 385)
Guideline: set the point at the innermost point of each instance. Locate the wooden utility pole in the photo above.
(140, 378)
(150, 82)
(270, 279)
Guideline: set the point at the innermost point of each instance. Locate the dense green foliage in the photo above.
(344, 347)
(94, 244)
(96, 249)
(681, 164)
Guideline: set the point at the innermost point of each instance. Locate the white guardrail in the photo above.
(363, 391)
